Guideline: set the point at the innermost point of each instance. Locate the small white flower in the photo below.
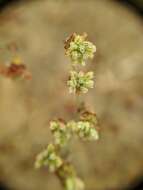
(60, 132)
(80, 82)
(79, 49)
(86, 130)
(93, 134)
(49, 158)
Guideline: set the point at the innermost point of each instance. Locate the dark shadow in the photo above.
(3, 187)
(136, 185)
(134, 5)
(4, 3)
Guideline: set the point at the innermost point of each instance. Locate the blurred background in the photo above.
(38, 28)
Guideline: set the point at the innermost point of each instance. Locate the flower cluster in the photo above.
(60, 131)
(79, 49)
(80, 82)
(84, 130)
(16, 69)
(49, 158)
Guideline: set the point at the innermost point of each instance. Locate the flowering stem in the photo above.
(56, 156)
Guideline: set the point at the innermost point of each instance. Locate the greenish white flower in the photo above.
(80, 82)
(86, 131)
(60, 131)
(48, 158)
(79, 49)
(72, 125)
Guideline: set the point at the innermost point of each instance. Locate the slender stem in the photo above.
(78, 101)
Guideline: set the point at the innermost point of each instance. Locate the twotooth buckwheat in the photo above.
(55, 157)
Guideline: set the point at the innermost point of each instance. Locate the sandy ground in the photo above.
(39, 29)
